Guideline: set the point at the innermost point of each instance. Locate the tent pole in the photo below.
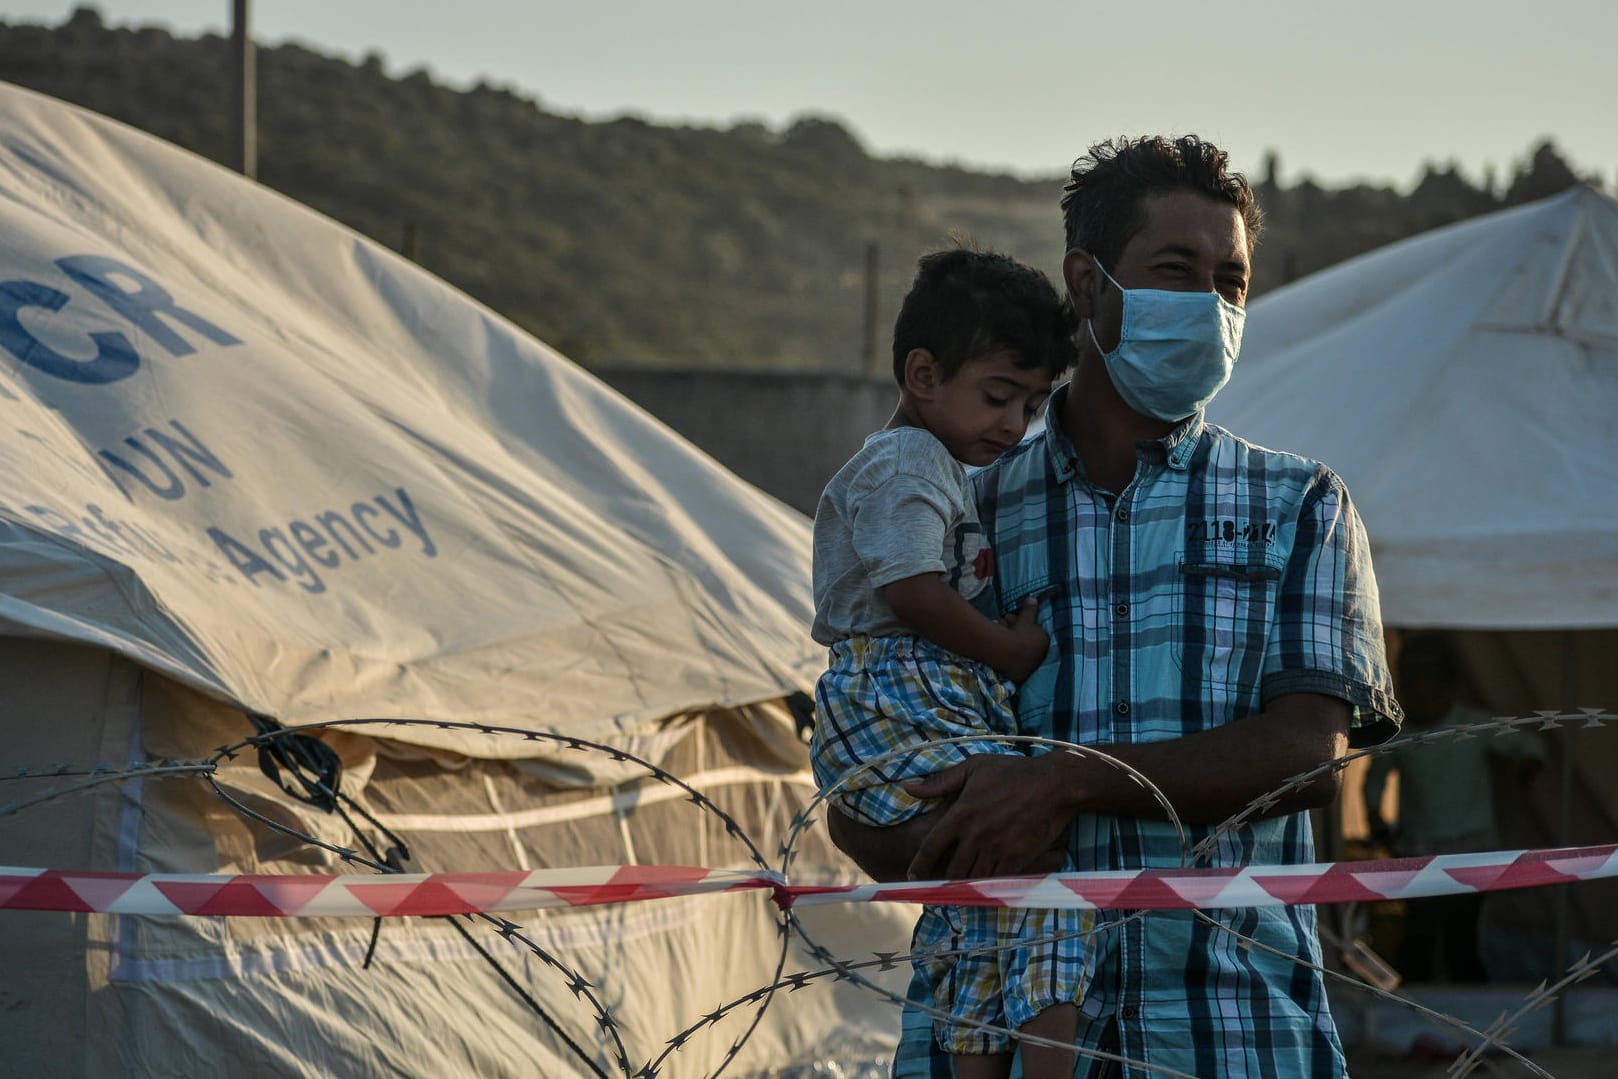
(245, 70)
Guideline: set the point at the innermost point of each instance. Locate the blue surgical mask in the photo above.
(1175, 349)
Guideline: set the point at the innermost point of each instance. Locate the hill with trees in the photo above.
(622, 242)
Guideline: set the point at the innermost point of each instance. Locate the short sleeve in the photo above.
(1328, 632)
(905, 497)
(899, 529)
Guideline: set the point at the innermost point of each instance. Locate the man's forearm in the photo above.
(1212, 775)
(1009, 813)
(1007, 809)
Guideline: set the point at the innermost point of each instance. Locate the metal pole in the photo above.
(246, 71)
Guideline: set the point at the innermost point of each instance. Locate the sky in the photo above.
(1369, 90)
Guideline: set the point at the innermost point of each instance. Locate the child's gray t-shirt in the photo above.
(899, 508)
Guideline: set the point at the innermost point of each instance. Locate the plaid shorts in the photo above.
(885, 693)
(880, 694)
(1006, 986)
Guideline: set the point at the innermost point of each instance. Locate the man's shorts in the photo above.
(880, 694)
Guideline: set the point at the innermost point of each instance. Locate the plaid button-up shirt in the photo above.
(1223, 576)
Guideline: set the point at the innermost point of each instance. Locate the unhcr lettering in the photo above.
(331, 538)
(133, 296)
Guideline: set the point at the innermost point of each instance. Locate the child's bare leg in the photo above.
(1059, 1023)
(984, 1065)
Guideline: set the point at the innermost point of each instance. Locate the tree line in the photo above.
(622, 242)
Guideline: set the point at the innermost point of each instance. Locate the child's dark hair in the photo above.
(964, 304)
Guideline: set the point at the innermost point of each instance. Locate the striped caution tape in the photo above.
(306, 895)
(1247, 886)
(393, 895)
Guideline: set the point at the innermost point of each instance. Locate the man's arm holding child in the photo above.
(934, 610)
(1007, 814)
(1007, 811)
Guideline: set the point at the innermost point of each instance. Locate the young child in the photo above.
(899, 556)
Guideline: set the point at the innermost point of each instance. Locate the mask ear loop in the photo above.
(1107, 275)
(1090, 328)
(1090, 322)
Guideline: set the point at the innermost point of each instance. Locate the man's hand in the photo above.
(1030, 642)
(885, 854)
(1005, 818)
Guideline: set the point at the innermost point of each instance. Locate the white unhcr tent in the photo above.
(257, 463)
(1464, 384)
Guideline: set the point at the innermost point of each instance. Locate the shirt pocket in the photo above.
(1224, 609)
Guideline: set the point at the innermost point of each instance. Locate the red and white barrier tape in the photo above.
(355, 895)
(1248, 886)
(392, 895)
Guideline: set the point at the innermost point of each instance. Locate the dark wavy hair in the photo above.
(965, 303)
(1103, 204)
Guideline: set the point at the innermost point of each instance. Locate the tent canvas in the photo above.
(257, 463)
(1464, 384)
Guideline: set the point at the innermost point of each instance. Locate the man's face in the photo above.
(1190, 243)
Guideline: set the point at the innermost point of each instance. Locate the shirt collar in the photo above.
(1176, 447)
(1180, 443)
(1064, 458)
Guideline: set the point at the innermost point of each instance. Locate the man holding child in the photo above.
(1215, 624)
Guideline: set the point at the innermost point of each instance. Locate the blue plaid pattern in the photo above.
(879, 694)
(1224, 575)
(1044, 959)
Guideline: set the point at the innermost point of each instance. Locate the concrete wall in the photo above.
(784, 432)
